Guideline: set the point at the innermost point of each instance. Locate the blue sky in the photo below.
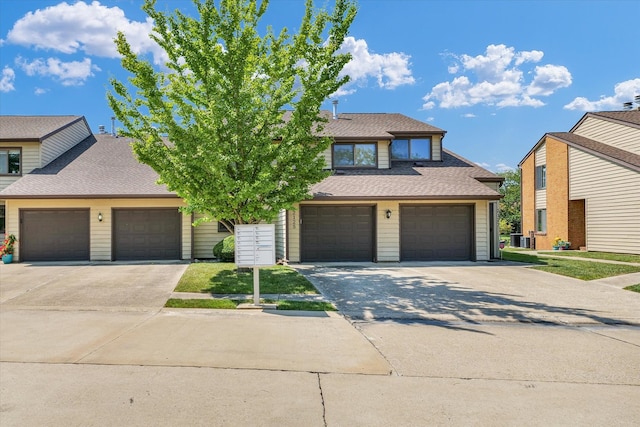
(496, 75)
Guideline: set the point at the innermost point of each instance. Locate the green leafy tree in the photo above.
(510, 203)
(213, 124)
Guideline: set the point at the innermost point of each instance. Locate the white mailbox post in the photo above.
(255, 247)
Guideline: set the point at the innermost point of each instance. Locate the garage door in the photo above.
(146, 234)
(438, 232)
(54, 234)
(336, 233)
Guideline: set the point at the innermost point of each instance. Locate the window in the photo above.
(541, 220)
(222, 228)
(354, 155)
(2, 221)
(411, 149)
(541, 177)
(9, 161)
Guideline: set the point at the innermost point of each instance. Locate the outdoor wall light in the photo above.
(100, 217)
(388, 213)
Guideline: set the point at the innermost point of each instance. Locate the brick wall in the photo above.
(557, 194)
(528, 191)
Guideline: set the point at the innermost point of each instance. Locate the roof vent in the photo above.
(335, 109)
(101, 129)
(627, 106)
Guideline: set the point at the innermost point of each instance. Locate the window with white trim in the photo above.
(541, 177)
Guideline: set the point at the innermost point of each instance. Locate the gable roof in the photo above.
(452, 178)
(101, 166)
(614, 154)
(626, 117)
(372, 126)
(33, 128)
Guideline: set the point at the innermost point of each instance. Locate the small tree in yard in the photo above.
(510, 203)
(213, 125)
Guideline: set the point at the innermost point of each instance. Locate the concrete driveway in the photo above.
(473, 292)
(123, 286)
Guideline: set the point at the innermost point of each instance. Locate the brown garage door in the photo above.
(437, 232)
(146, 234)
(336, 233)
(54, 234)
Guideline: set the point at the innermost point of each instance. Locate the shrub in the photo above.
(224, 250)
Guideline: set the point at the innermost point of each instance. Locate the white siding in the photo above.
(612, 195)
(388, 230)
(205, 237)
(60, 142)
(100, 232)
(281, 236)
(614, 134)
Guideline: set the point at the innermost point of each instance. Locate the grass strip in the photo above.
(583, 270)
(224, 278)
(634, 288)
(596, 255)
(227, 304)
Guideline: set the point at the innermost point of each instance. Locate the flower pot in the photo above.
(7, 259)
(555, 248)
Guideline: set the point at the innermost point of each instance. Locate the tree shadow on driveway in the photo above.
(399, 294)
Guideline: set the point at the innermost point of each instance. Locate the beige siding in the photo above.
(493, 185)
(612, 195)
(100, 232)
(60, 142)
(328, 158)
(205, 237)
(614, 134)
(281, 237)
(30, 159)
(541, 159)
(437, 148)
(383, 155)
(388, 230)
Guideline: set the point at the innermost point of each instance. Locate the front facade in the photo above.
(394, 195)
(583, 186)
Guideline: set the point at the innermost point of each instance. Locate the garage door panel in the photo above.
(436, 232)
(147, 234)
(337, 233)
(54, 235)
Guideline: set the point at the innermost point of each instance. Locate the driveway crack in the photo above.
(324, 409)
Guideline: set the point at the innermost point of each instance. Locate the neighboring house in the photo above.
(394, 195)
(583, 186)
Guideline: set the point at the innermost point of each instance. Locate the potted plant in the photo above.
(7, 248)
(557, 243)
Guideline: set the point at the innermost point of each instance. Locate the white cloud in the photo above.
(501, 167)
(623, 92)
(7, 79)
(497, 78)
(73, 73)
(469, 115)
(90, 28)
(40, 91)
(390, 70)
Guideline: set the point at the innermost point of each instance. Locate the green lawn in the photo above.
(232, 304)
(583, 270)
(634, 288)
(223, 278)
(597, 255)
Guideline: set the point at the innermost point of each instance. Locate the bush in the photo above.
(224, 250)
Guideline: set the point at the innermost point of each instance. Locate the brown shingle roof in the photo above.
(372, 126)
(617, 155)
(101, 166)
(33, 128)
(453, 178)
(627, 116)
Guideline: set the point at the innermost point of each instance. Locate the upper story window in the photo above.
(411, 149)
(355, 155)
(9, 161)
(541, 177)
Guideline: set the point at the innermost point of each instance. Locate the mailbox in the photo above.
(255, 245)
